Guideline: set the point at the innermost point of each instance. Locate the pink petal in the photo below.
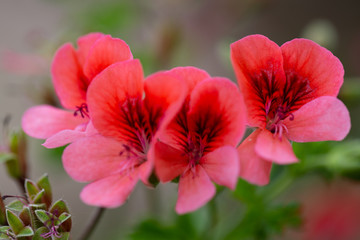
(92, 158)
(274, 149)
(217, 111)
(109, 192)
(190, 75)
(325, 118)
(258, 66)
(307, 60)
(43, 121)
(116, 86)
(195, 190)
(84, 45)
(164, 96)
(169, 162)
(222, 166)
(69, 82)
(104, 52)
(253, 168)
(63, 137)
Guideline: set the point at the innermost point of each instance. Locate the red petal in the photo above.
(109, 192)
(84, 45)
(109, 94)
(195, 190)
(92, 158)
(253, 168)
(323, 119)
(222, 166)
(274, 149)
(43, 121)
(63, 137)
(190, 75)
(169, 162)
(258, 65)
(304, 59)
(69, 82)
(217, 113)
(103, 53)
(164, 96)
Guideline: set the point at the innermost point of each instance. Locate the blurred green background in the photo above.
(165, 34)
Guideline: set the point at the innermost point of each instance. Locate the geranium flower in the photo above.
(199, 143)
(72, 72)
(128, 113)
(290, 93)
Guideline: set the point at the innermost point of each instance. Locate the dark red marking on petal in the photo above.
(82, 110)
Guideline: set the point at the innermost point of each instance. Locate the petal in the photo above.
(222, 166)
(195, 190)
(323, 119)
(69, 83)
(258, 66)
(217, 110)
(111, 97)
(63, 137)
(92, 158)
(305, 59)
(164, 96)
(84, 45)
(43, 121)
(169, 162)
(274, 149)
(104, 52)
(109, 192)
(190, 75)
(253, 168)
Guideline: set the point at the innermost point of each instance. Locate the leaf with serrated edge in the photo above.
(57, 209)
(63, 217)
(14, 222)
(43, 216)
(26, 232)
(37, 235)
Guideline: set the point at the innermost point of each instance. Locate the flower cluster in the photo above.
(182, 124)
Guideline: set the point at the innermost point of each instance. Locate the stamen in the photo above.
(82, 110)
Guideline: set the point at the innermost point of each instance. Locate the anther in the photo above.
(82, 110)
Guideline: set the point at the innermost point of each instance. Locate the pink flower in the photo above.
(72, 72)
(128, 113)
(199, 143)
(290, 93)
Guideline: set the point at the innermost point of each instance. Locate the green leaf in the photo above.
(44, 183)
(25, 216)
(38, 197)
(4, 157)
(3, 231)
(57, 209)
(63, 217)
(26, 232)
(14, 222)
(40, 206)
(44, 217)
(15, 205)
(39, 232)
(31, 189)
(64, 236)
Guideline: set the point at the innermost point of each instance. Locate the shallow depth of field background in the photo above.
(165, 34)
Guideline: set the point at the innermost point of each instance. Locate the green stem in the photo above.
(92, 224)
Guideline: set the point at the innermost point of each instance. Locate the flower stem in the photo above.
(92, 224)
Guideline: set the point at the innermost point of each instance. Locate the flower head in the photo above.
(290, 93)
(199, 143)
(128, 114)
(72, 72)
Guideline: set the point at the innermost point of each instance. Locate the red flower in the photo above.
(290, 93)
(127, 122)
(199, 143)
(72, 72)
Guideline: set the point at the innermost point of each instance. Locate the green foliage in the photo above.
(36, 215)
